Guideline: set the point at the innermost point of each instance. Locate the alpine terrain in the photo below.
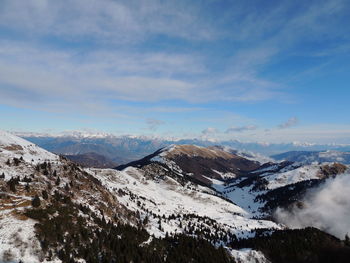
(183, 203)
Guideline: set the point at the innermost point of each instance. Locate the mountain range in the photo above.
(181, 203)
(314, 156)
(123, 149)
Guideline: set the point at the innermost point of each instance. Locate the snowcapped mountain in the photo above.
(200, 163)
(249, 184)
(309, 157)
(182, 203)
(119, 150)
(124, 149)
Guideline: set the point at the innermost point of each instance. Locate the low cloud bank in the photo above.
(327, 208)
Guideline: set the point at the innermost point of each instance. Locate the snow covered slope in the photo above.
(275, 182)
(27, 171)
(164, 196)
(291, 176)
(12, 146)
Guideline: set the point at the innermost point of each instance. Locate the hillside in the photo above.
(201, 163)
(92, 160)
(257, 188)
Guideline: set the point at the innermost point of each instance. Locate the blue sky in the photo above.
(274, 71)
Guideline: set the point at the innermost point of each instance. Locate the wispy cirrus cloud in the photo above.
(151, 75)
(100, 76)
(153, 124)
(210, 131)
(289, 123)
(105, 20)
(161, 59)
(235, 129)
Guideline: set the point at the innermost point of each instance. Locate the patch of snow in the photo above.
(158, 159)
(167, 149)
(272, 167)
(243, 197)
(248, 255)
(284, 177)
(18, 240)
(225, 175)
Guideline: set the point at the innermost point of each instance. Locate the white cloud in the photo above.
(327, 208)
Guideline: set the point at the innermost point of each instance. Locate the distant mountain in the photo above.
(269, 149)
(92, 160)
(123, 149)
(117, 149)
(309, 157)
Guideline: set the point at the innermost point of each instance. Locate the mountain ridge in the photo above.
(124, 149)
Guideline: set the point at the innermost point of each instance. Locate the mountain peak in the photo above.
(211, 152)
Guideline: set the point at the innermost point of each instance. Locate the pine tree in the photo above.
(12, 185)
(16, 161)
(347, 240)
(45, 195)
(145, 220)
(36, 201)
